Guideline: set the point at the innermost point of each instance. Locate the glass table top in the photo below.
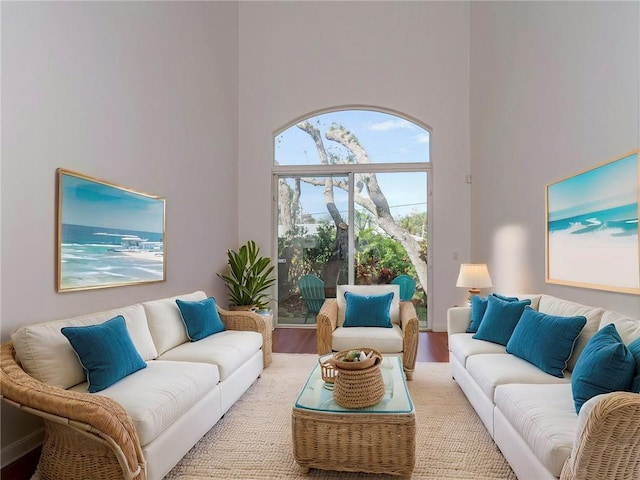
(316, 396)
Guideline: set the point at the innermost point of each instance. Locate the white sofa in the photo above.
(529, 413)
(141, 426)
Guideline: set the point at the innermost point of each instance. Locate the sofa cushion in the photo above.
(606, 365)
(634, 348)
(627, 327)
(463, 345)
(367, 310)
(629, 330)
(228, 350)
(105, 351)
(157, 396)
(47, 355)
(544, 417)
(545, 340)
(479, 307)
(200, 318)
(564, 308)
(165, 322)
(394, 312)
(493, 369)
(500, 320)
(534, 297)
(385, 340)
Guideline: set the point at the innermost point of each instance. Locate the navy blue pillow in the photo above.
(201, 318)
(479, 306)
(500, 319)
(106, 352)
(605, 365)
(545, 340)
(367, 310)
(634, 348)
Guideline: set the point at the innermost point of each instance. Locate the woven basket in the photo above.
(327, 369)
(340, 362)
(358, 388)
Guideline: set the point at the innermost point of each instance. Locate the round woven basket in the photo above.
(358, 388)
(340, 362)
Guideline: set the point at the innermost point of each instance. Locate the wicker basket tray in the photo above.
(358, 388)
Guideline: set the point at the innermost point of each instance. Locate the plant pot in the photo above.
(243, 308)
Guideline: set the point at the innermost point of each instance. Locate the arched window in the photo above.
(352, 195)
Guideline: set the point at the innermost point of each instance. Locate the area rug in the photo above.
(253, 440)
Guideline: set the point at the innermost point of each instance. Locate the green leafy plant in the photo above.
(249, 277)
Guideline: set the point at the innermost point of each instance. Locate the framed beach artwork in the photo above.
(592, 227)
(107, 235)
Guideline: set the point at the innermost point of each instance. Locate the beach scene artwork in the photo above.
(592, 228)
(107, 235)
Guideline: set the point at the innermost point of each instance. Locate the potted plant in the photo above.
(249, 277)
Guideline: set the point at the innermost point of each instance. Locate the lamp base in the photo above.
(472, 292)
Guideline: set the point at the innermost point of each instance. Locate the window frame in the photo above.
(349, 170)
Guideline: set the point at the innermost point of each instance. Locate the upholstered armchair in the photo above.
(400, 338)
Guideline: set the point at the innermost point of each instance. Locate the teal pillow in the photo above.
(545, 340)
(367, 310)
(605, 365)
(106, 352)
(634, 348)
(479, 306)
(500, 319)
(200, 318)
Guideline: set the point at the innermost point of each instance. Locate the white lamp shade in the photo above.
(474, 275)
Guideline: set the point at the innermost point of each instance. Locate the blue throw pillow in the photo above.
(367, 310)
(106, 352)
(545, 340)
(201, 318)
(500, 319)
(605, 365)
(634, 348)
(479, 306)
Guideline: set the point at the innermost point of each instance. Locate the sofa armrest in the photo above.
(77, 425)
(326, 323)
(252, 322)
(608, 439)
(458, 319)
(410, 334)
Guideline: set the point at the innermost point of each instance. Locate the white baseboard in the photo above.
(16, 450)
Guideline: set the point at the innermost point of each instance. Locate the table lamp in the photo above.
(474, 276)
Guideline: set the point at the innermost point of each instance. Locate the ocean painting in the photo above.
(592, 228)
(107, 235)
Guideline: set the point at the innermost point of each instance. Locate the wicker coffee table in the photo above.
(378, 439)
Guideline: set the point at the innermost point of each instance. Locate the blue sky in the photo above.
(386, 139)
(610, 185)
(98, 205)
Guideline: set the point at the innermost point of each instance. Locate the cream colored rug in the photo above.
(253, 439)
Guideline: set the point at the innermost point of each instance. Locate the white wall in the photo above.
(143, 94)
(412, 57)
(554, 91)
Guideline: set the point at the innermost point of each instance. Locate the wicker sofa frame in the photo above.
(327, 322)
(89, 436)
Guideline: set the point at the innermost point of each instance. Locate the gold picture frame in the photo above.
(107, 235)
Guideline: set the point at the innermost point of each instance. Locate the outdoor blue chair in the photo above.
(312, 294)
(407, 287)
